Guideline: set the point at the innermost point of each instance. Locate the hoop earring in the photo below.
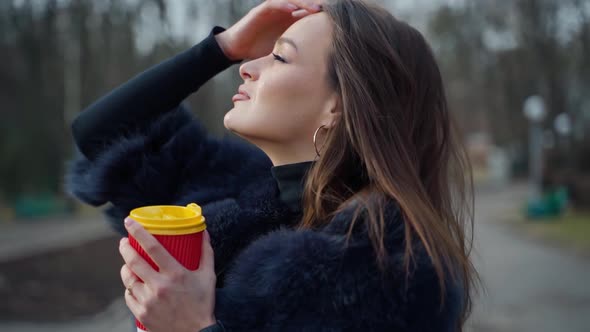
(314, 139)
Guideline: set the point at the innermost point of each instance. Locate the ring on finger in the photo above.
(130, 286)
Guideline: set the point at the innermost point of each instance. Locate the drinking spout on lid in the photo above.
(195, 208)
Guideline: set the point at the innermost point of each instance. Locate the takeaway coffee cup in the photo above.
(179, 229)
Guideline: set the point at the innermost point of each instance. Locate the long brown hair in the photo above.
(395, 141)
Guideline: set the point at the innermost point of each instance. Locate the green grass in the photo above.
(571, 230)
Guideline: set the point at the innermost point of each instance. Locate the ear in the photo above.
(332, 111)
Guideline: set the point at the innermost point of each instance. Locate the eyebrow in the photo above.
(284, 40)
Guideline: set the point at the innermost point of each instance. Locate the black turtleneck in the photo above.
(290, 179)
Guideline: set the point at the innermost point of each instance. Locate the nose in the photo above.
(251, 70)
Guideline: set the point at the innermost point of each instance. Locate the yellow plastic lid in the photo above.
(170, 219)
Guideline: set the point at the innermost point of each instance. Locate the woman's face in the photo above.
(289, 94)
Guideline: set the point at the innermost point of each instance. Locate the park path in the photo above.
(529, 286)
(28, 238)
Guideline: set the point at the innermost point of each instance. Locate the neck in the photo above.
(280, 154)
(287, 161)
(291, 181)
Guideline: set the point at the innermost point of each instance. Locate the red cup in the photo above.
(179, 229)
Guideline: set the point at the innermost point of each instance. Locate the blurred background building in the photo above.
(58, 56)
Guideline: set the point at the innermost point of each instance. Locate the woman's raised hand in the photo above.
(254, 35)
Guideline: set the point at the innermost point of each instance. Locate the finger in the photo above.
(135, 262)
(312, 6)
(289, 7)
(152, 247)
(136, 308)
(133, 285)
(300, 13)
(129, 278)
(207, 254)
(284, 6)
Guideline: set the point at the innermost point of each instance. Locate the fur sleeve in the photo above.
(307, 281)
(159, 164)
(278, 283)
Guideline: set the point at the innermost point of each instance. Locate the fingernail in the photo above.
(299, 13)
(291, 6)
(317, 7)
(128, 222)
(123, 240)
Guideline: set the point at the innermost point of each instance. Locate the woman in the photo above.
(351, 218)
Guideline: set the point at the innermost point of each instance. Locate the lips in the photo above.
(241, 95)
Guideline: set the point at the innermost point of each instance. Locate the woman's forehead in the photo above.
(310, 35)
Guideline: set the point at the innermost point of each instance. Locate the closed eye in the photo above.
(278, 58)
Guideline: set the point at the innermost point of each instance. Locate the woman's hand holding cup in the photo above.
(169, 269)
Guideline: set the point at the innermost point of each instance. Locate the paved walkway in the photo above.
(530, 287)
(116, 318)
(27, 238)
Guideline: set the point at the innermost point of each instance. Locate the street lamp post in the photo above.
(534, 110)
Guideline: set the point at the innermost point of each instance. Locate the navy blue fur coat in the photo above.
(271, 277)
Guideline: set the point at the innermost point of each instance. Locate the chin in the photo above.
(231, 123)
(229, 119)
(239, 123)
